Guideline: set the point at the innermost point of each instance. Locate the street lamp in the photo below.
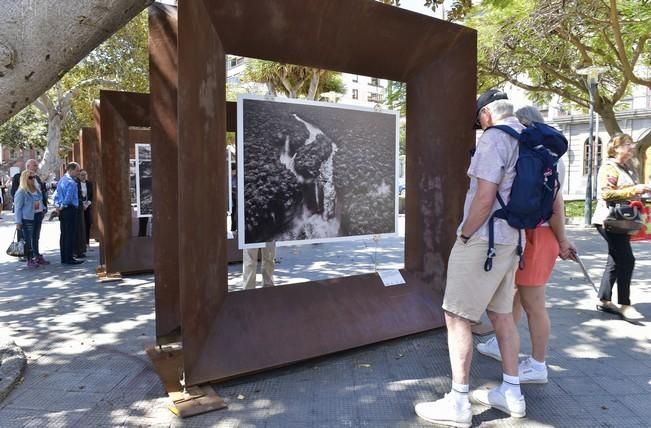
(592, 74)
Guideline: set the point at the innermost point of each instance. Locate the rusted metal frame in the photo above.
(163, 83)
(91, 160)
(226, 335)
(76, 153)
(121, 251)
(163, 76)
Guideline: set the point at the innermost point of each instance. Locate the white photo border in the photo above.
(240, 169)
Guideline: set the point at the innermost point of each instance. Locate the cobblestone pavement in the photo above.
(87, 367)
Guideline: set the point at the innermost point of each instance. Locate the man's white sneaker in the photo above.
(446, 411)
(494, 398)
(529, 374)
(490, 348)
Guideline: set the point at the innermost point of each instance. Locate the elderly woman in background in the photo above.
(28, 202)
(617, 183)
(544, 245)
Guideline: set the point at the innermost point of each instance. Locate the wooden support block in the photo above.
(194, 400)
(103, 276)
(202, 399)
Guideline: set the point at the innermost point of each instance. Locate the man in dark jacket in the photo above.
(87, 193)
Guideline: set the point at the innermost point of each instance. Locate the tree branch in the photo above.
(44, 104)
(583, 50)
(621, 90)
(561, 77)
(535, 88)
(83, 84)
(621, 49)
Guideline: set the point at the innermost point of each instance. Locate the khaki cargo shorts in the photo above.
(470, 290)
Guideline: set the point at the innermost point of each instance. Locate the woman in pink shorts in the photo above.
(544, 244)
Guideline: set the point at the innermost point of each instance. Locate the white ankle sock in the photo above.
(510, 386)
(460, 392)
(537, 365)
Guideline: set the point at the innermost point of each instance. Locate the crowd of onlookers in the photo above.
(28, 195)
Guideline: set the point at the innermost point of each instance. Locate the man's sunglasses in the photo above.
(30, 178)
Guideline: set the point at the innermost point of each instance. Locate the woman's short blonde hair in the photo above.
(24, 182)
(616, 141)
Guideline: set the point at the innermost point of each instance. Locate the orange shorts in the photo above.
(540, 256)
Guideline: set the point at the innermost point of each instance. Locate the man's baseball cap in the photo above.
(485, 99)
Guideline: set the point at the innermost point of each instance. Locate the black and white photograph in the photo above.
(143, 180)
(313, 172)
(132, 183)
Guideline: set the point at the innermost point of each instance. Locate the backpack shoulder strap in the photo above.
(505, 128)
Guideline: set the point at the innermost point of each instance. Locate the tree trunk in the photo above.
(51, 161)
(314, 84)
(40, 41)
(607, 113)
(271, 89)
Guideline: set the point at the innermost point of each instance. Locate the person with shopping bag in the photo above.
(28, 202)
(618, 186)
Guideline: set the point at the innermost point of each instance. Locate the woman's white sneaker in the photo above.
(494, 398)
(490, 348)
(629, 312)
(529, 374)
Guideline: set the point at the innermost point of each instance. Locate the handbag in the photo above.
(625, 218)
(16, 248)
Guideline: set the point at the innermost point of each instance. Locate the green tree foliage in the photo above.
(539, 45)
(123, 58)
(26, 130)
(293, 80)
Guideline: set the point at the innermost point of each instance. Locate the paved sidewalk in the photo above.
(87, 367)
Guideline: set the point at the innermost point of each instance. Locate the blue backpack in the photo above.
(535, 185)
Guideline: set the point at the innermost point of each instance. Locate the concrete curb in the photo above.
(12, 367)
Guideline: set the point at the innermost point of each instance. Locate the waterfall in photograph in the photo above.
(317, 219)
(313, 130)
(287, 159)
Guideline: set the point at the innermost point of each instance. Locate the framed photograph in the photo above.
(143, 180)
(132, 183)
(314, 172)
(231, 181)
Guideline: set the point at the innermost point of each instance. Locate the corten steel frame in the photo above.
(163, 83)
(76, 153)
(230, 334)
(90, 160)
(163, 93)
(121, 252)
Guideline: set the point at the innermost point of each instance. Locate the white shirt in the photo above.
(84, 190)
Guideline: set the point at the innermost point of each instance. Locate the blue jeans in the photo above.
(28, 236)
(38, 222)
